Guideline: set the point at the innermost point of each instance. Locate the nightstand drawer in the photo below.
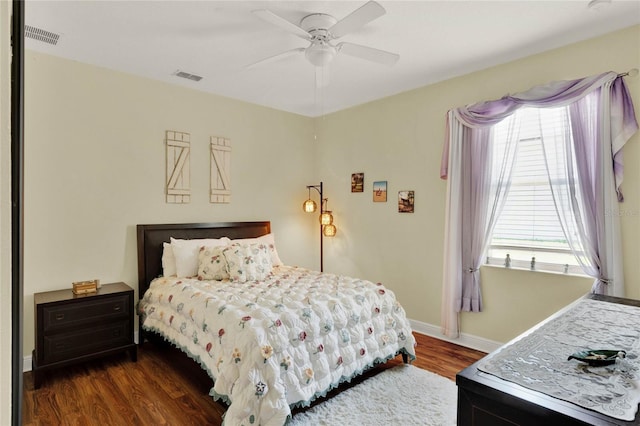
(85, 341)
(100, 309)
(71, 328)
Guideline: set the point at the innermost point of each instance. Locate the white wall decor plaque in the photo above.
(220, 170)
(178, 167)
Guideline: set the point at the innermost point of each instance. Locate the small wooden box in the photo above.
(83, 287)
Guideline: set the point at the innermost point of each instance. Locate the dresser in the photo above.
(486, 400)
(71, 328)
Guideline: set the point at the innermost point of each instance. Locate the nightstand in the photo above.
(71, 328)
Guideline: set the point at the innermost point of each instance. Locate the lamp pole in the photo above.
(319, 189)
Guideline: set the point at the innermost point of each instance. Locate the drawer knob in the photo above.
(116, 308)
(59, 317)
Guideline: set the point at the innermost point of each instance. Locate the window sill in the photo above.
(542, 271)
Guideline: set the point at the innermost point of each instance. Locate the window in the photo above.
(528, 226)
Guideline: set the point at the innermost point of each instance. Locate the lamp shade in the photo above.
(329, 230)
(326, 218)
(309, 206)
(320, 54)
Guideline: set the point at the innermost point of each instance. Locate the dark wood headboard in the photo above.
(151, 237)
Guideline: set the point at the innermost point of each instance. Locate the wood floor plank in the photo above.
(104, 387)
(164, 387)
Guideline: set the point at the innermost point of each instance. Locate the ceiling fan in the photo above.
(320, 29)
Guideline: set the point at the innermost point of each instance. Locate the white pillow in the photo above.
(270, 242)
(248, 262)
(212, 265)
(168, 261)
(186, 253)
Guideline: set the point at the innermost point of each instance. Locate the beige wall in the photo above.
(5, 213)
(95, 168)
(399, 139)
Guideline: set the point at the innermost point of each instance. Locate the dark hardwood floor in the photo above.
(162, 389)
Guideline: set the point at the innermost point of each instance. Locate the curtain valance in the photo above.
(555, 94)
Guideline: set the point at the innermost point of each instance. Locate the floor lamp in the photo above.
(327, 228)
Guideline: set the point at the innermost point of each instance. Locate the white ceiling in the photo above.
(436, 40)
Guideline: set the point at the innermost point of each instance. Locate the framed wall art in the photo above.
(357, 182)
(406, 201)
(380, 191)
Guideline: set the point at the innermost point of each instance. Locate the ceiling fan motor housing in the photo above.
(318, 24)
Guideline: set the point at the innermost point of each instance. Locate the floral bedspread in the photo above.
(279, 343)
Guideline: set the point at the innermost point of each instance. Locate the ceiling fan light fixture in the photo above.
(320, 54)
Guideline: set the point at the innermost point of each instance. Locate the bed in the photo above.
(272, 337)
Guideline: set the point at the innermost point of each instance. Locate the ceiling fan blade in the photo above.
(272, 18)
(358, 18)
(278, 57)
(368, 53)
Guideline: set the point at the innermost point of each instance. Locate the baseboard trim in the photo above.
(26, 363)
(467, 340)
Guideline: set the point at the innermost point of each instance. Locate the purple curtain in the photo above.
(466, 189)
(475, 153)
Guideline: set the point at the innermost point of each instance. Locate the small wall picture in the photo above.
(405, 201)
(380, 191)
(357, 182)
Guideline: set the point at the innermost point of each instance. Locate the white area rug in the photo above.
(402, 395)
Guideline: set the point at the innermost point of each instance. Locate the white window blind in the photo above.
(528, 226)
